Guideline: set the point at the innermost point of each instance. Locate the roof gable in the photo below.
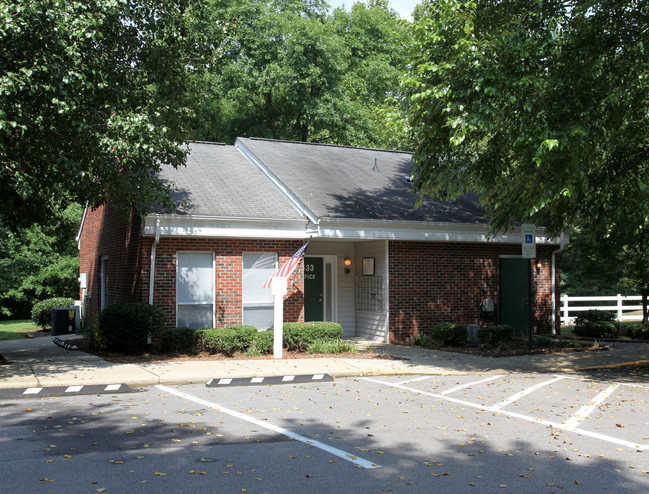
(344, 182)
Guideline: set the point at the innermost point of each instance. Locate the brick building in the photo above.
(376, 264)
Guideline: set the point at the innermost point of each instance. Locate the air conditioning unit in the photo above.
(64, 321)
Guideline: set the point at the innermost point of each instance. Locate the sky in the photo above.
(404, 7)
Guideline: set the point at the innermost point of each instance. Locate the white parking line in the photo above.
(526, 391)
(262, 423)
(585, 411)
(468, 385)
(528, 418)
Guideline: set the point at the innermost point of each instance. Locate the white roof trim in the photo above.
(225, 227)
(279, 185)
(360, 229)
(333, 228)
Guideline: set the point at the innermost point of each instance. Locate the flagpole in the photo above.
(279, 288)
(278, 283)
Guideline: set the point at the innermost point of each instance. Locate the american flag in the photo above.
(289, 266)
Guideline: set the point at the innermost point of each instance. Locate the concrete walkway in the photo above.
(38, 362)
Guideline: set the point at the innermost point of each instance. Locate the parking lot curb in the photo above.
(620, 365)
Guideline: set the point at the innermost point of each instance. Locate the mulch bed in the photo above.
(515, 348)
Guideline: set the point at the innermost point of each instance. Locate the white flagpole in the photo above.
(279, 288)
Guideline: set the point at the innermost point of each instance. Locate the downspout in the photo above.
(153, 248)
(554, 284)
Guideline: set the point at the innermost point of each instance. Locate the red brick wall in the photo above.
(228, 272)
(106, 233)
(446, 282)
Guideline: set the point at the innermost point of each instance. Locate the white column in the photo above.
(279, 288)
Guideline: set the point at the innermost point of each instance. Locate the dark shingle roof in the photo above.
(219, 181)
(343, 182)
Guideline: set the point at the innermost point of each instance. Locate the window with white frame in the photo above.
(258, 267)
(195, 289)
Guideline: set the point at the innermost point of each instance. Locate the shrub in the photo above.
(543, 341)
(637, 331)
(594, 315)
(262, 343)
(494, 335)
(567, 343)
(226, 340)
(331, 346)
(423, 340)
(597, 329)
(298, 335)
(181, 339)
(449, 333)
(127, 327)
(42, 311)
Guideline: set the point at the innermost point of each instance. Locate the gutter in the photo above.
(153, 249)
(554, 284)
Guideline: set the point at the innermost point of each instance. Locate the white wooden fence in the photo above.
(620, 304)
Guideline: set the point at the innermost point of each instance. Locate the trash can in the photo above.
(63, 321)
(472, 334)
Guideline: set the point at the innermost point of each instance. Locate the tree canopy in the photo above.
(540, 107)
(291, 70)
(93, 100)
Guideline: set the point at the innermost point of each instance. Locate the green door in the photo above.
(313, 289)
(515, 294)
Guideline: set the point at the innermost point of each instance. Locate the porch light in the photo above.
(348, 261)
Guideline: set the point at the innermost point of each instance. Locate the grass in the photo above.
(14, 330)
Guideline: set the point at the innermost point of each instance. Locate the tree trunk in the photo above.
(644, 292)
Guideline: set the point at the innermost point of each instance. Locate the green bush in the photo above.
(298, 335)
(495, 335)
(594, 315)
(567, 343)
(423, 340)
(449, 334)
(42, 311)
(226, 340)
(331, 346)
(181, 339)
(126, 327)
(262, 343)
(597, 329)
(543, 341)
(637, 331)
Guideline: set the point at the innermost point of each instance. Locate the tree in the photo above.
(93, 101)
(539, 107)
(615, 250)
(289, 70)
(39, 262)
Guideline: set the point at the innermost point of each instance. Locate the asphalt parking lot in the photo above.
(489, 432)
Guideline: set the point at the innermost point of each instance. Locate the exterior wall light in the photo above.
(347, 262)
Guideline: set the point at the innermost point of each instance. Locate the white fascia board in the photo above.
(358, 229)
(224, 227)
(277, 183)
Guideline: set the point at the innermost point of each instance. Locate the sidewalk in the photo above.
(38, 362)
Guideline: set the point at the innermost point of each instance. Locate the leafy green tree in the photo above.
(289, 70)
(39, 262)
(614, 250)
(540, 107)
(93, 100)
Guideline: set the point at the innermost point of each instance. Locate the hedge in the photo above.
(42, 311)
(495, 335)
(449, 334)
(299, 335)
(127, 327)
